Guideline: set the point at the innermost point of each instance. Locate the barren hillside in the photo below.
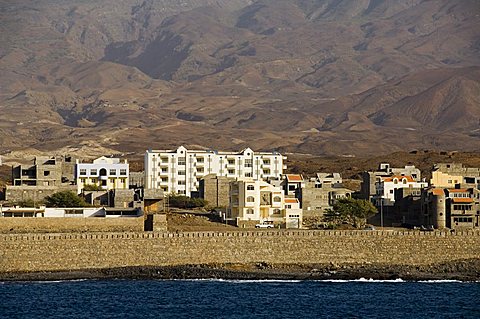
(309, 76)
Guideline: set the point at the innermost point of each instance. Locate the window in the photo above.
(291, 187)
(93, 171)
(276, 211)
(113, 171)
(231, 171)
(250, 211)
(200, 160)
(164, 179)
(404, 181)
(181, 172)
(248, 174)
(123, 171)
(181, 182)
(248, 162)
(288, 206)
(250, 187)
(46, 173)
(83, 171)
(395, 181)
(277, 199)
(231, 161)
(250, 199)
(181, 162)
(165, 170)
(266, 161)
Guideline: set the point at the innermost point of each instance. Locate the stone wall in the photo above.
(53, 252)
(69, 224)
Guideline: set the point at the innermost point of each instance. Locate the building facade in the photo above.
(103, 173)
(180, 171)
(47, 175)
(321, 193)
(253, 202)
(370, 178)
(387, 186)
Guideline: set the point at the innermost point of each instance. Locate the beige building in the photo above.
(450, 174)
(103, 173)
(252, 202)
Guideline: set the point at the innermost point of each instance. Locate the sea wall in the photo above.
(70, 224)
(52, 252)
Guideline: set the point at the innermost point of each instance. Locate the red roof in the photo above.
(291, 200)
(400, 178)
(294, 178)
(438, 191)
(458, 190)
(462, 200)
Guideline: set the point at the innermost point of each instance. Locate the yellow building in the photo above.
(104, 173)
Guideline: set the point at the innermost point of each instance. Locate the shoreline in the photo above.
(462, 270)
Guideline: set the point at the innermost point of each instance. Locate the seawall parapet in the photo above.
(77, 251)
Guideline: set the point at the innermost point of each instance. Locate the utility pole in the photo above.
(381, 212)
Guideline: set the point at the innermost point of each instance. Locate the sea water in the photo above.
(239, 299)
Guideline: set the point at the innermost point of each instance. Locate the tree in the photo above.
(65, 199)
(351, 211)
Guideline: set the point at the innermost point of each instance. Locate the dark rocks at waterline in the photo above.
(464, 270)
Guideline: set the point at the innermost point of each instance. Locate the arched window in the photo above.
(404, 181)
(250, 187)
(277, 199)
(250, 199)
(395, 180)
(103, 172)
(276, 211)
(250, 211)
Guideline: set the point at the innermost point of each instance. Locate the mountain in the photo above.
(309, 76)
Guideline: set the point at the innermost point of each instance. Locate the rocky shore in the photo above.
(464, 270)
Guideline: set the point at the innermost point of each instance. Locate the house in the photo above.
(370, 178)
(102, 174)
(454, 208)
(386, 187)
(321, 193)
(252, 202)
(180, 171)
(292, 184)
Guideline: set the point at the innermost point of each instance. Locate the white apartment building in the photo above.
(179, 171)
(253, 201)
(106, 173)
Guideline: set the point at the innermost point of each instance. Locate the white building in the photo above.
(106, 173)
(180, 170)
(253, 201)
(386, 187)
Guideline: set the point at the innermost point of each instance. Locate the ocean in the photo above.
(239, 299)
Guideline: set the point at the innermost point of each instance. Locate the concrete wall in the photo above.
(50, 252)
(69, 224)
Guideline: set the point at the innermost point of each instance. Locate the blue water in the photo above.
(238, 299)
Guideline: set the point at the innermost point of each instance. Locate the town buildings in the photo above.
(180, 171)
